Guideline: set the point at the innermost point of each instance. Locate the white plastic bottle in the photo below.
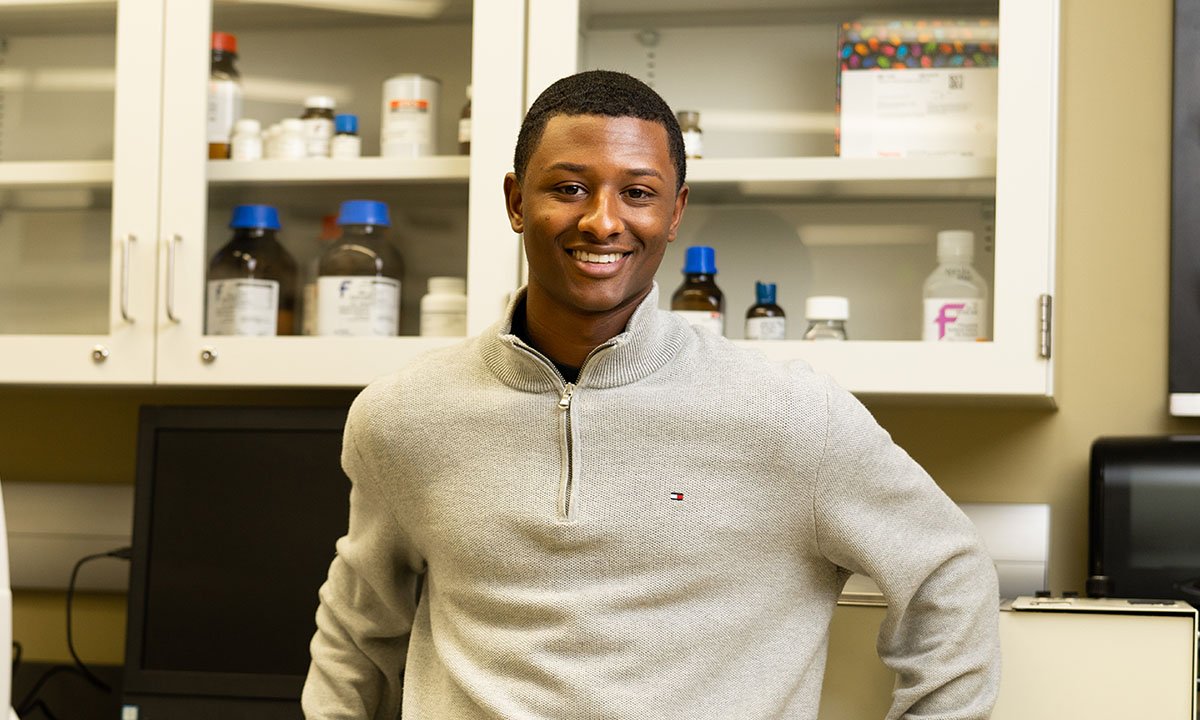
(444, 308)
(826, 316)
(247, 140)
(291, 144)
(956, 296)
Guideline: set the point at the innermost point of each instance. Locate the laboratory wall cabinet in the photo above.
(109, 210)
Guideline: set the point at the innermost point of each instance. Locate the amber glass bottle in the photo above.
(224, 95)
(252, 279)
(765, 320)
(359, 275)
(698, 299)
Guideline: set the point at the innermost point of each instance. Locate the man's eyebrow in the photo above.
(579, 168)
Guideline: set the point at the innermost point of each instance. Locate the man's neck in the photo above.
(567, 337)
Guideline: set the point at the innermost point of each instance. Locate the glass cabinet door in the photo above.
(403, 69)
(837, 141)
(78, 190)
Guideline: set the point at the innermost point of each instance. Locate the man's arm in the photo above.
(366, 611)
(878, 513)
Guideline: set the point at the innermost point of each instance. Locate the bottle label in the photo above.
(355, 306)
(345, 146)
(443, 324)
(317, 134)
(224, 109)
(693, 143)
(955, 320)
(243, 307)
(766, 328)
(464, 130)
(407, 128)
(714, 321)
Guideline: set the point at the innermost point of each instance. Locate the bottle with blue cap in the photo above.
(252, 280)
(346, 142)
(698, 299)
(765, 320)
(359, 275)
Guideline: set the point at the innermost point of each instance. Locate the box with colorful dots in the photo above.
(917, 87)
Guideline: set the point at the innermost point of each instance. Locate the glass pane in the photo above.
(55, 260)
(57, 79)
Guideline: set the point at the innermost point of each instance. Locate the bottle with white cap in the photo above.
(444, 308)
(827, 316)
(290, 143)
(318, 125)
(247, 140)
(956, 295)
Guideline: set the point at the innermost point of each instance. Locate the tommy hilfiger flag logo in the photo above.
(676, 496)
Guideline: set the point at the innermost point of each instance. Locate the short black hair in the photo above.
(599, 92)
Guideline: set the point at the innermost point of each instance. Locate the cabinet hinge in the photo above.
(1045, 305)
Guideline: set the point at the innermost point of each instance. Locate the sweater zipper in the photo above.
(568, 480)
(569, 475)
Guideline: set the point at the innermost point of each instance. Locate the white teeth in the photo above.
(594, 258)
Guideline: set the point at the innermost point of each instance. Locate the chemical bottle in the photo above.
(224, 95)
(308, 317)
(444, 308)
(358, 283)
(698, 299)
(346, 142)
(826, 316)
(693, 136)
(252, 279)
(956, 296)
(290, 143)
(318, 125)
(765, 320)
(464, 127)
(247, 140)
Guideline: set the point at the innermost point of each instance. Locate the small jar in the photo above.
(247, 140)
(827, 316)
(693, 136)
(444, 308)
(290, 144)
(346, 142)
(318, 125)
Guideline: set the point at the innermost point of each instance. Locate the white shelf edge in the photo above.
(436, 169)
(837, 169)
(1184, 404)
(88, 173)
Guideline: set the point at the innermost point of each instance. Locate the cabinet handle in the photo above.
(125, 260)
(174, 241)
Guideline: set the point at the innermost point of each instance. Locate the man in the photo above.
(616, 515)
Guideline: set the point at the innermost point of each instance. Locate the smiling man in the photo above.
(594, 510)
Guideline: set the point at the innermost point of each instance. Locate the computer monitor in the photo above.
(236, 513)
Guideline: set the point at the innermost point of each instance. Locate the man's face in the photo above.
(598, 206)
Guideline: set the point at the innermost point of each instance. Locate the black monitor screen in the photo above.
(236, 517)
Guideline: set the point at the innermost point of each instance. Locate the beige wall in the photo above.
(1111, 315)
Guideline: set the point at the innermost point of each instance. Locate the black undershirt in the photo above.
(521, 330)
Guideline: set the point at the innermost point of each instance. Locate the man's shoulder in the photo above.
(421, 381)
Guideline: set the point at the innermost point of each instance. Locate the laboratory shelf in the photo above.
(84, 173)
(731, 179)
(436, 169)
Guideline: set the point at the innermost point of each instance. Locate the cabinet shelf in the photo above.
(733, 179)
(84, 173)
(433, 170)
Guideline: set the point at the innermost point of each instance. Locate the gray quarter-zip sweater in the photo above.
(665, 538)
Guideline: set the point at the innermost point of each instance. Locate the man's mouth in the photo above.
(601, 258)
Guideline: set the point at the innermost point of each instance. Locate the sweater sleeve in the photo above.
(366, 609)
(879, 514)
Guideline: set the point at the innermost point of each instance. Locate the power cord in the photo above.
(31, 701)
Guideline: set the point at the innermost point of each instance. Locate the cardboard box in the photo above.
(917, 87)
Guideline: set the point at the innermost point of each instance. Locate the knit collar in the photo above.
(650, 339)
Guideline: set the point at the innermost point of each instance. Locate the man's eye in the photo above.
(637, 193)
(570, 189)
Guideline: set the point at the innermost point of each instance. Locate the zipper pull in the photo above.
(564, 403)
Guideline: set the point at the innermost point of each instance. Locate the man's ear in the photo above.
(681, 199)
(513, 202)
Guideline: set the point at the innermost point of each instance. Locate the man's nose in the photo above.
(602, 217)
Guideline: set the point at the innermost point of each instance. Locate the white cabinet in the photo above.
(778, 205)
(79, 137)
(170, 206)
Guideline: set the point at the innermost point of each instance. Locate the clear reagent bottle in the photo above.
(827, 316)
(765, 320)
(359, 275)
(698, 299)
(956, 296)
(252, 279)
